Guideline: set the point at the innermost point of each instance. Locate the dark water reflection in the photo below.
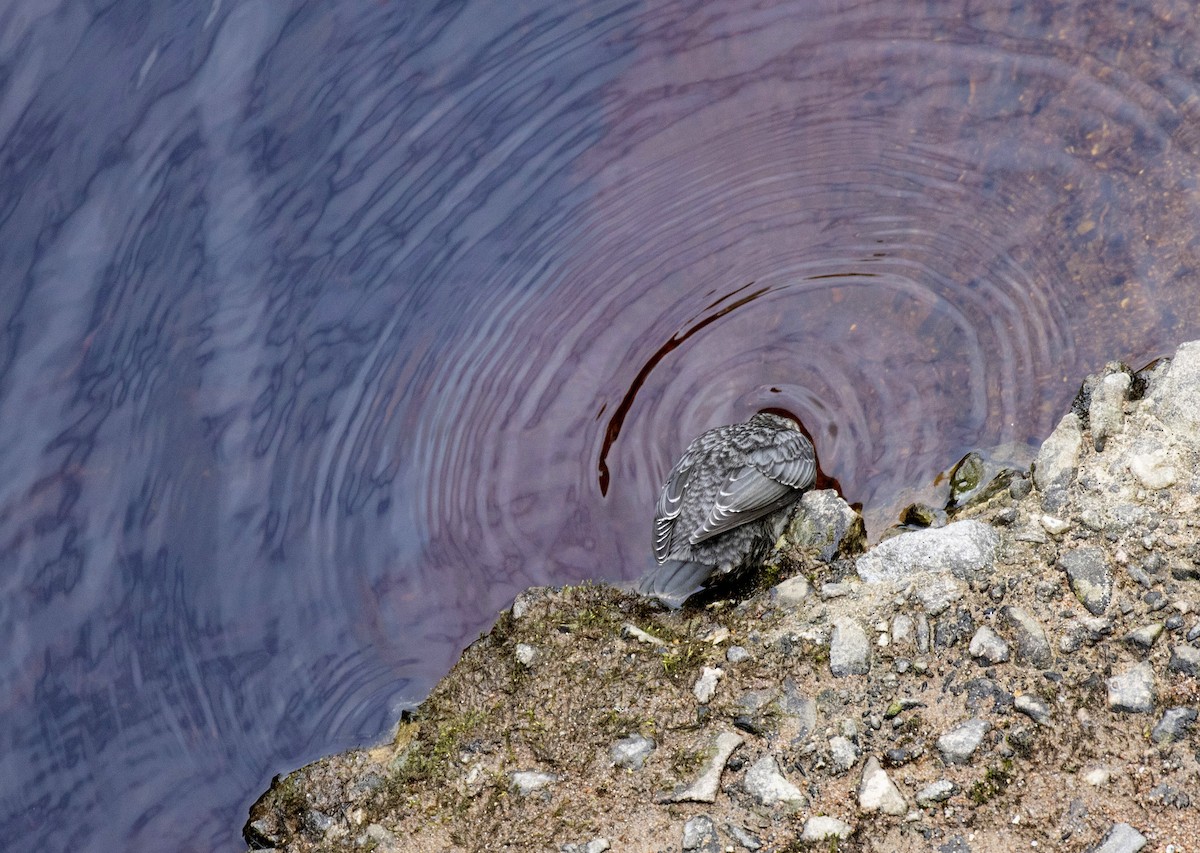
(318, 318)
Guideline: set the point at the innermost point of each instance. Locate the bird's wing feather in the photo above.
(775, 473)
(670, 502)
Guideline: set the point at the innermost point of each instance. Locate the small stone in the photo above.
(937, 592)
(877, 792)
(1029, 637)
(700, 834)
(1020, 487)
(1185, 659)
(634, 632)
(1173, 398)
(1152, 470)
(766, 784)
(596, 845)
(791, 593)
(988, 647)
(826, 524)
(526, 782)
(1088, 573)
(830, 591)
(1107, 408)
(706, 685)
(743, 837)
(1058, 461)
(842, 753)
(1174, 725)
(823, 827)
(960, 743)
(526, 654)
(849, 649)
(936, 792)
(1033, 707)
(1144, 638)
(1121, 838)
(961, 548)
(631, 752)
(1133, 690)
(737, 654)
(1054, 525)
(704, 788)
(902, 630)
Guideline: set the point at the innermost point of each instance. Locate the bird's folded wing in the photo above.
(670, 502)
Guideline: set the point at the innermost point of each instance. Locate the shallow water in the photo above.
(329, 327)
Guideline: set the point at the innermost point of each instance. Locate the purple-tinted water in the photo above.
(329, 327)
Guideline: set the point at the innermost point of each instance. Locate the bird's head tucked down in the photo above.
(725, 502)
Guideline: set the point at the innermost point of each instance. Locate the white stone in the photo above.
(789, 594)
(767, 784)
(849, 649)
(823, 827)
(1054, 525)
(877, 792)
(526, 782)
(704, 788)
(1153, 470)
(960, 548)
(526, 654)
(706, 685)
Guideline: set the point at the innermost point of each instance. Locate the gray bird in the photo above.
(725, 503)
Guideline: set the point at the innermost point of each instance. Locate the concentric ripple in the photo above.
(330, 327)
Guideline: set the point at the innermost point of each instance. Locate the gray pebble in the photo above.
(849, 649)
(1033, 707)
(631, 752)
(1174, 725)
(765, 783)
(1133, 690)
(988, 647)
(700, 834)
(1058, 461)
(526, 782)
(1144, 638)
(822, 827)
(737, 654)
(743, 837)
(1028, 636)
(842, 753)
(1185, 659)
(936, 792)
(1089, 576)
(877, 792)
(960, 743)
(1121, 838)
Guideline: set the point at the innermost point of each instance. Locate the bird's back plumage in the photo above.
(724, 498)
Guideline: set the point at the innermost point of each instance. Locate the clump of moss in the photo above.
(994, 782)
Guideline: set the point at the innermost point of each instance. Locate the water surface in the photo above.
(329, 327)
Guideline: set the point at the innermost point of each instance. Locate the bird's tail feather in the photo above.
(675, 581)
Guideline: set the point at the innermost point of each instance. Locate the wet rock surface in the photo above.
(1016, 683)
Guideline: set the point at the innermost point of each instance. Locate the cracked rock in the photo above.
(700, 834)
(1028, 636)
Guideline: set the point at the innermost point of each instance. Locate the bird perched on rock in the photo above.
(725, 503)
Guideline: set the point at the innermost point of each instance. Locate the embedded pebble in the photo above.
(1185, 659)
(766, 784)
(961, 548)
(849, 649)
(903, 629)
(936, 792)
(792, 592)
(960, 743)
(842, 753)
(526, 782)
(1028, 635)
(1144, 638)
(700, 834)
(526, 654)
(596, 845)
(1174, 725)
(822, 827)
(1121, 838)
(1054, 525)
(877, 792)
(1058, 461)
(631, 752)
(830, 591)
(1089, 576)
(743, 837)
(1133, 690)
(1152, 470)
(1096, 776)
(1033, 707)
(704, 788)
(1107, 407)
(706, 684)
(988, 646)
(737, 654)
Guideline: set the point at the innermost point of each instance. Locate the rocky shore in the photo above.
(1021, 677)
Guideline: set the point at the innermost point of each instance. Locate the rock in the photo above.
(706, 685)
(936, 792)
(1107, 408)
(1173, 399)
(1058, 461)
(766, 784)
(596, 845)
(737, 654)
(1028, 635)
(1153, 470)
(1121, 838)
(937, 592)
(849, 649)
(827, 525)
(842, 753)
(959, 744)
(1054, 525)
(988, 647)
(962, 548)
(1185, 659)
(385, 840)
(700, 834)
(631, 752)
(823, 827)
(1033, 707)
(789, 594)
(526, 782)
(525, 654)
(1144, 638)
(1133, 690)
(1090, 578)
(831, 591)
(704, 788)
(743, 837)
(903, 629)
(1174, 725)
(877, 792)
